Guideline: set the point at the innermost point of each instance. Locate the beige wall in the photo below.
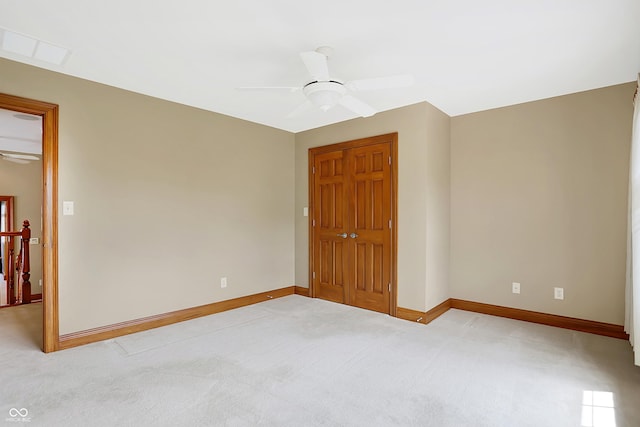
(168, 199)
(423, 150)
(438, 194)
(24, 183)
(539, 196)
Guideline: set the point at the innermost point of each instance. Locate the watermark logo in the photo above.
(18, 416)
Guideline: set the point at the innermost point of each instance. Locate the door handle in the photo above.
(343, 235)
(353, 235)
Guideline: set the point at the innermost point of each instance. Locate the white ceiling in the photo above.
(466, 55)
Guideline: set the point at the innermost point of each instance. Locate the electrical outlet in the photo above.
(515, 287)
(558, 293)
(223, 282)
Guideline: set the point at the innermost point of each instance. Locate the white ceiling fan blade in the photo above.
(19, 156)
(403, 80)
(18, 138)
(270, 88)
(316, 64)
(19, 161)
(300, 109)
(357, 106)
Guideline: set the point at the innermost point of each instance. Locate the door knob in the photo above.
(343, 235)
(353, 235)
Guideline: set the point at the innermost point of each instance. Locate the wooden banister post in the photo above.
(26, 265)
(11, 283)
(22, 265)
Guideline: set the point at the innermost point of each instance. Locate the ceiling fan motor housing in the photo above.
(324, 94)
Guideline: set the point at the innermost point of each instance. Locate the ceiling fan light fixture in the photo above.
(19, 158)
(324, 94)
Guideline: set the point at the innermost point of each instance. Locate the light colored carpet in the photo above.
(297, 361)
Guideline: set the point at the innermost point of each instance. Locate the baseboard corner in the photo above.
(301, 290)
(424, 316)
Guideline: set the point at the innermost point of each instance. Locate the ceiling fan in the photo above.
(22, 159)
(325, 92)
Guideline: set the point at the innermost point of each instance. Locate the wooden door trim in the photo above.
(394, 222)
(5, 261)
(362, 142)
(391, 138)
(311, 197)
(9, 201)
(49, 114)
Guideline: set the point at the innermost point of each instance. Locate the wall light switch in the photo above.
(67, 207)
(34, 241)
(305, 211)
(558, 293)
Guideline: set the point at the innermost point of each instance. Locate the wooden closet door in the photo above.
(330, 238)
(353, 202)
(369, 227)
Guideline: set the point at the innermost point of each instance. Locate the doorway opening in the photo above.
(49, 114)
